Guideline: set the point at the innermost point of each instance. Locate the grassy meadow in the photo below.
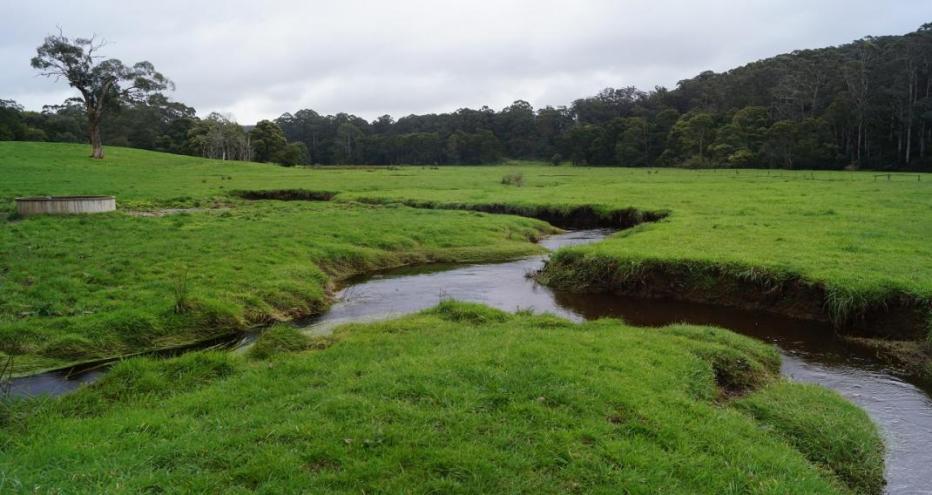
(457, 399)
(74, 288)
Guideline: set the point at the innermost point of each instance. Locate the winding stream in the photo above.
(810, 351)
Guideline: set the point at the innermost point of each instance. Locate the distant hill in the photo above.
(867, 103)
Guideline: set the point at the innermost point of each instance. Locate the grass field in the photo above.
(79, 288)
(852, 230)
(458, 399)
(75, 288)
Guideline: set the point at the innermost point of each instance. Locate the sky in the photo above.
(258, 59)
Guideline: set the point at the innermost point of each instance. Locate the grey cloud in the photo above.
(259, 59)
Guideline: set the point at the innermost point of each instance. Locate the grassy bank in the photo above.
(78, 288)
(459, 399)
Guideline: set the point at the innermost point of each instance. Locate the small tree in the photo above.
(103, 83)
(268, 141)
(293, 154)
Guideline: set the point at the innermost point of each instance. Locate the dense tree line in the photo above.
(863, 104)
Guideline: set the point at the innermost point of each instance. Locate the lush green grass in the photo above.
(80, 287)
(859, 234)
(820, 425)
(62, 279)
(458, 399)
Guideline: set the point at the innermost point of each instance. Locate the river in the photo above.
(810, 350)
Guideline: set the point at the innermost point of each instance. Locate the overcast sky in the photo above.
(257, 59)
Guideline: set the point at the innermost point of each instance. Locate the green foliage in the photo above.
(691, 136)
(181, 293)
(632, 146)
(218, 137)
(103, 84)
(268, 142)
(467, 399)
(293, 154)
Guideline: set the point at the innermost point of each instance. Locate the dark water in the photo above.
(811, 352)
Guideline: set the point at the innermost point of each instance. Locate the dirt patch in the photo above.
(286, 195)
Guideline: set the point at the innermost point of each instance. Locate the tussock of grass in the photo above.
(472, 314)
(513, 179)
(278, 339)
(459, 398)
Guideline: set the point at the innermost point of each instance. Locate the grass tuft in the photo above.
(469, 313)
(513, 179)
(279, 339)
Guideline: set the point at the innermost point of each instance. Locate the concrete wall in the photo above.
(65, 205)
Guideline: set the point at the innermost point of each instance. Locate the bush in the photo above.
(556, 159)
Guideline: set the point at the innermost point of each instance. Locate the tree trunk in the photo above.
(860, 140)
(922, 140)
(97, 146)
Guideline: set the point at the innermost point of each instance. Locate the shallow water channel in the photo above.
(811, 352)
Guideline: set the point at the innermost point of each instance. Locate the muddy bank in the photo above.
(897, 316)
(285, 195)
(565, 217)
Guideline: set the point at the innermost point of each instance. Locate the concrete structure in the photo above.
(64, 205)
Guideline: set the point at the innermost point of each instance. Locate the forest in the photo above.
(865, 104)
